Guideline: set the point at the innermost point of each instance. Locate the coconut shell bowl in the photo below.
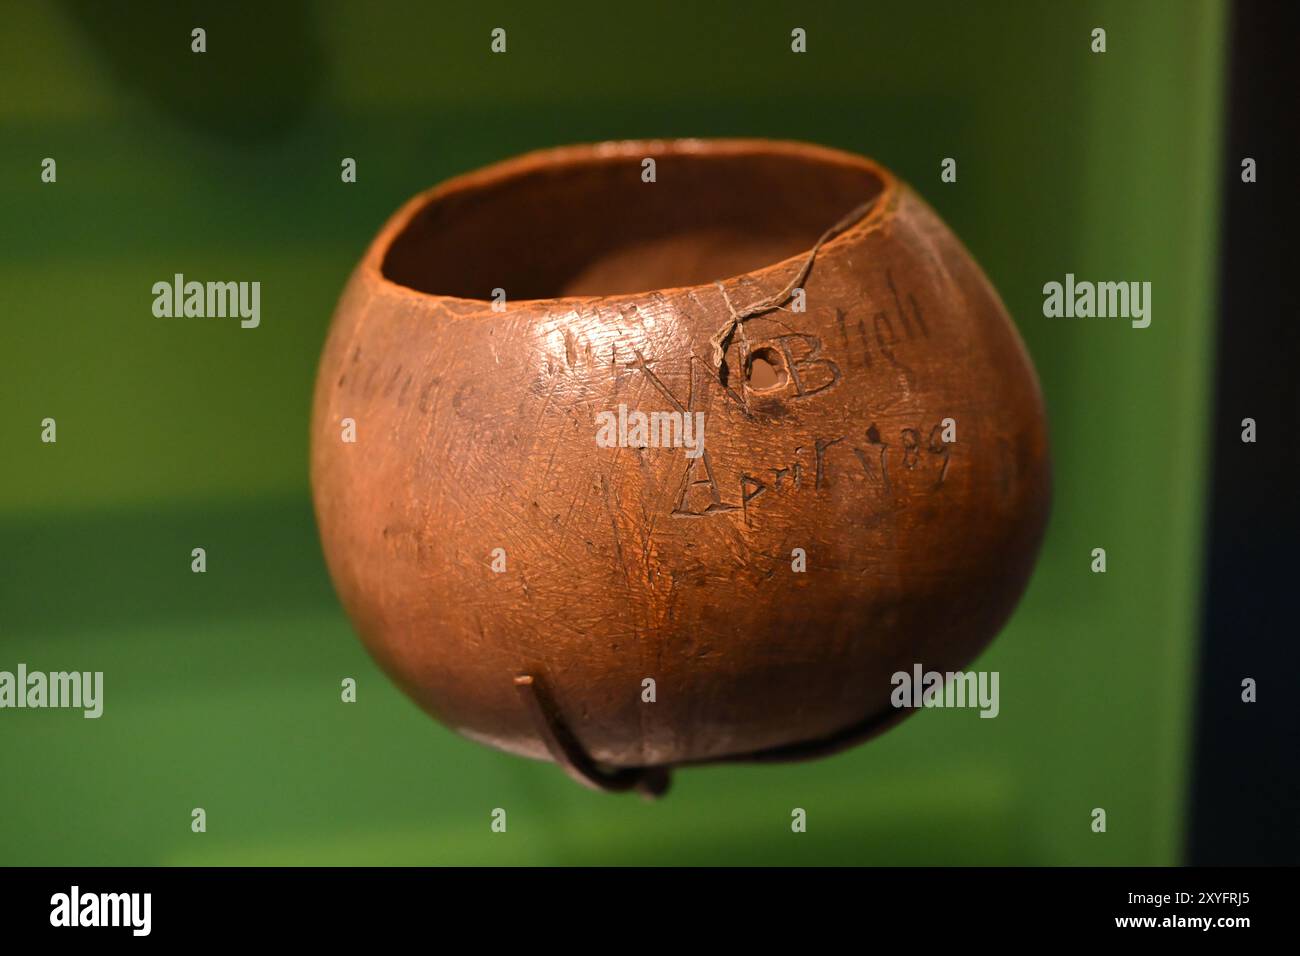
(870, 492)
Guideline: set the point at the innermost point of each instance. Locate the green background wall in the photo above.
(222, 689)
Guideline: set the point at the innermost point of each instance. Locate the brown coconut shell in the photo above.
(475, 429)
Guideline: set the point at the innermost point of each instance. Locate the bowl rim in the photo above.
(882, 211)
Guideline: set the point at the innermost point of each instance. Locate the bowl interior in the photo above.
(591, 225)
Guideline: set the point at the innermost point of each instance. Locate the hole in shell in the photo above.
(764, 370)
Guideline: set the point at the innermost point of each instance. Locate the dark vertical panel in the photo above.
(1246, 783)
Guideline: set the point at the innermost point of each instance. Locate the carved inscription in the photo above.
(873, 339)
(867, 339)
(702, 493)
(809, 371)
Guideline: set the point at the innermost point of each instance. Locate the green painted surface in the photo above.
(222, 689)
